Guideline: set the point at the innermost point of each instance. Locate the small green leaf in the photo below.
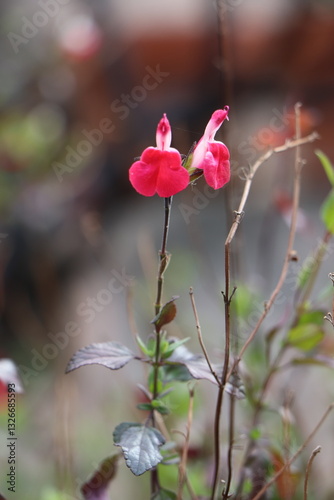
(144, 406)
(160, 407)
(166, 314)
(305, 336)
(313, 317)
(140, 445)
(327, 212)
(142, 346)
(151, 346)
(326, 163)
(172, 345)
(255, 434)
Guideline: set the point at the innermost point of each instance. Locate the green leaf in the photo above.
(166, 314)
(160, 407)
(172, 345)
(326, 163)
(144, 406)
(143, 346)
(327, 212)
(255, 434)
(156, 405)
(305, 336)
(314, 317)
(140, 445)
(113, 355)
(163, 494)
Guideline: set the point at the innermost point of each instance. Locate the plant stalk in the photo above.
(163, 263)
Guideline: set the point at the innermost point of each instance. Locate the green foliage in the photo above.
(308, 332)
(255, 434)
(327, 165)
(327, 212)
(305, 337)
(167, 350)
(327, 208)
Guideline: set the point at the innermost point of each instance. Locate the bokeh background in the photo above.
(83, 86)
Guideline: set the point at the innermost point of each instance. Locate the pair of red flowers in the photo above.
(160, 169)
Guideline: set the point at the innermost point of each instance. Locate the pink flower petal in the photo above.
(216, 165)
(159, 172)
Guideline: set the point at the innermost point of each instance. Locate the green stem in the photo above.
(164, 258)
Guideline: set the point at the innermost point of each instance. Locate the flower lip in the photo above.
(159, 169)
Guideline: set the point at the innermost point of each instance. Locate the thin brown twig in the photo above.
(164, 431)
(256, 415)
(295, 204)
(296, 455)
(230, 447)
(308, 468)
(290, 144)
(200, 337)
(184, 458)
(314, 267)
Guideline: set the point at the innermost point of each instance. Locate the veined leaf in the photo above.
(113, 355)
(196, 364)
(140, 445)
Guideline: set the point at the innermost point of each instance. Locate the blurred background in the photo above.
(83, 86)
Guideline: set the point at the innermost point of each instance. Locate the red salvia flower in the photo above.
(159, 169)
(213, 156)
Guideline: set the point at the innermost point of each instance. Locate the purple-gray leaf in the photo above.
(196, 364)
(140, 445)
(113, 355)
